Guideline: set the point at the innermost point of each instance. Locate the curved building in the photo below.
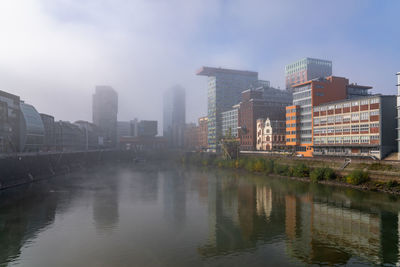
(31, 129)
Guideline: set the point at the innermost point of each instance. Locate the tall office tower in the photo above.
(105, 110)
(224, 91)
(174, 116)
(398, 115)
(306, 69)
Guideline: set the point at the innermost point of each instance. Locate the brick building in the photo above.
(254, 105)
(270, 134)
(363, 126)
(307, 95)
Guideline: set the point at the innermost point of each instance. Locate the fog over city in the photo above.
(54, 52)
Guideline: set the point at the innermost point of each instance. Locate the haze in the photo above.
(54, 52)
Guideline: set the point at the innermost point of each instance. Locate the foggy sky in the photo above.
(54, 52)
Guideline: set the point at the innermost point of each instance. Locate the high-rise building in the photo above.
(230, 122)
(174, 116)
(299, 116)
(105, 111)
(307, 69)
(398, 113)
(9, 122)
(147, 128)
(224, 91)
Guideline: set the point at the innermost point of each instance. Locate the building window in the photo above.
(354, 104)
(338, 130)
(364, 102)
(355, 117)
(346, 105)
(355, 128)
(364, 139)
(338, 118)
(355, 139)
(364, 127)
(374, 113)
(374, 101)
(338, 106)
(374, 137)
(364, 116)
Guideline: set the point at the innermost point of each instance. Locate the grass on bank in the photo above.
(271, 166)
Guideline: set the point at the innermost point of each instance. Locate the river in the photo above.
(147, 215)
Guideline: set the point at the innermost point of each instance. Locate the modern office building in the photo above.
(203, 133)
(174, 116)
(313, 93)
(49, 132)
(124, 129)
(105, 111)
(224, 91)
(307, 69)
(69, 136)
(398, 113)
(147, 128)
(92, 136)
(31, 129)
(271, 135)
(255, 105)
(230, 122)
(363, 127)
(9, 122)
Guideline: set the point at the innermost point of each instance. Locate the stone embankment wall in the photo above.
(25, 168)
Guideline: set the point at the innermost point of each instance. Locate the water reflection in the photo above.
(318, 228)
(105, 201)
(193, 218)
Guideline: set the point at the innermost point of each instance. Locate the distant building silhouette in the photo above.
(174, 116)
(105, 111)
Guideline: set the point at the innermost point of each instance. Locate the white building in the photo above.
(270, 134)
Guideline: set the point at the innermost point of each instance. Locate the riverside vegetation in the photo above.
(359, 178)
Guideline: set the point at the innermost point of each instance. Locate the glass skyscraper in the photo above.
(224, 91)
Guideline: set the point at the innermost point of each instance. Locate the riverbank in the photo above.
(362, 175)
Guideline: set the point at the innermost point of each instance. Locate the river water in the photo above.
(147, 215)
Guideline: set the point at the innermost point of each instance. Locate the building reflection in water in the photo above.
(245, 215)
(106, 202)
(240, 214)
(323, 232)
(25, 211)
(174, 198)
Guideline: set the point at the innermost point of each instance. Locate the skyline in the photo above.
(54, 53)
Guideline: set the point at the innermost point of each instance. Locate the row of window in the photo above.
(355, 139)
(348, 104)
(354, 128)
(346, 118)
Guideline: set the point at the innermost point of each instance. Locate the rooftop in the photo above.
(355, 99)
(210, 71)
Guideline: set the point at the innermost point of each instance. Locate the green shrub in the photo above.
(357, 177)
(281, 170)
(301, 170)
(269, 166)
(317, 174)
(258, 165)
(329, 174)
(392, 183)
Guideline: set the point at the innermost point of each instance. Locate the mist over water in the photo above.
(164, 216)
